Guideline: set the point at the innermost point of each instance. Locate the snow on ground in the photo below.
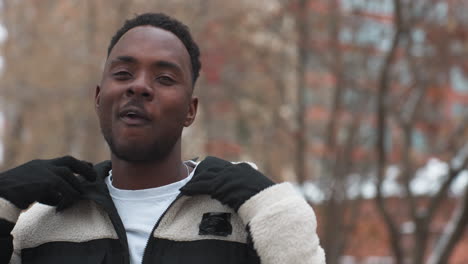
(426, 182)
(460, 183)
(429, 178)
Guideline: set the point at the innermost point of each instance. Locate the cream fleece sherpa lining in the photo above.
(9, 211)
(15, 258)
(181, 222)
(283, 227)
(42, 224)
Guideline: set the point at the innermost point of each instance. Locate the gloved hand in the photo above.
(52, 182)
(231, 184)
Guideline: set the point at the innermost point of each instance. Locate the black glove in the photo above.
(231, 184)
(52, 182)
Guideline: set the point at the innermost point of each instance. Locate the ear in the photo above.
(192, 112)
(97, 97)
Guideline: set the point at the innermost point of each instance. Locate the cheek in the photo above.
(105, 109)
(174, 103)
(181, 109)
(108, 96)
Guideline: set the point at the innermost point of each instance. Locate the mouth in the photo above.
(133, 116)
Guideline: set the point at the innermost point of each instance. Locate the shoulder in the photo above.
(102, 168)
(212, 162)
(41, 224)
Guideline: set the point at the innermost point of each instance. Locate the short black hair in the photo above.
(170, 24)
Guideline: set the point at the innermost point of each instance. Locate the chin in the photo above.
(141, 152)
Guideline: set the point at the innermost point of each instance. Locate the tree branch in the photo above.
(453, 232)
(381, 113)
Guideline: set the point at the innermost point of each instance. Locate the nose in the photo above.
(140, 88)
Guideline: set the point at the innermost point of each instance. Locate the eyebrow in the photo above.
(158, 64)
(126, 59)
(168, 65)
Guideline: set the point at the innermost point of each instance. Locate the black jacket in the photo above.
(274, 226)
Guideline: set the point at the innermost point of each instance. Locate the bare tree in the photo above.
(408, 114)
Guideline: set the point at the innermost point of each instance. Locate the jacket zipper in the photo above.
(103, 199)
(151, 237)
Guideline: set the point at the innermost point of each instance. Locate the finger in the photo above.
(198, 187)
(190, 191)
(82, 168)
(200, 169)
(246, 166)
(50, 197)
(205, 177)
(212, 163)
(61, 194)
(68, 200)
(66, 175)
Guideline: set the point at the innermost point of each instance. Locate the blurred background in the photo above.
(363, 104)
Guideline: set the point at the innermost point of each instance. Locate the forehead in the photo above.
(151, 43)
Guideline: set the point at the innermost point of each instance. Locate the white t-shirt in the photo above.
(141, 209)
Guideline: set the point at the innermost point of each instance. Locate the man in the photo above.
(145, 205)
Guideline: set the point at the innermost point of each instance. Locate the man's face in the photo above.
(145, 97)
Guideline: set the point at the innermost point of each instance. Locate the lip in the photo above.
(134, 116)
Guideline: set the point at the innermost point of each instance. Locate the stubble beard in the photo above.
(156, 150)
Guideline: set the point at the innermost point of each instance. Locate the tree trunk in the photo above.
(302, 45)
(381, 117)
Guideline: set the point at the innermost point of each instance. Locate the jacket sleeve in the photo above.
(9, 214)
(282, 226)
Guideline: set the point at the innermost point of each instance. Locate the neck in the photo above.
(143, 175)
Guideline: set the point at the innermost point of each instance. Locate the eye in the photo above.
(165, 80)
(122, 75)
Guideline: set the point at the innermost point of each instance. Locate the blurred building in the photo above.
(364, 36)
(370, 243)
(365, 29)
(435, 63)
